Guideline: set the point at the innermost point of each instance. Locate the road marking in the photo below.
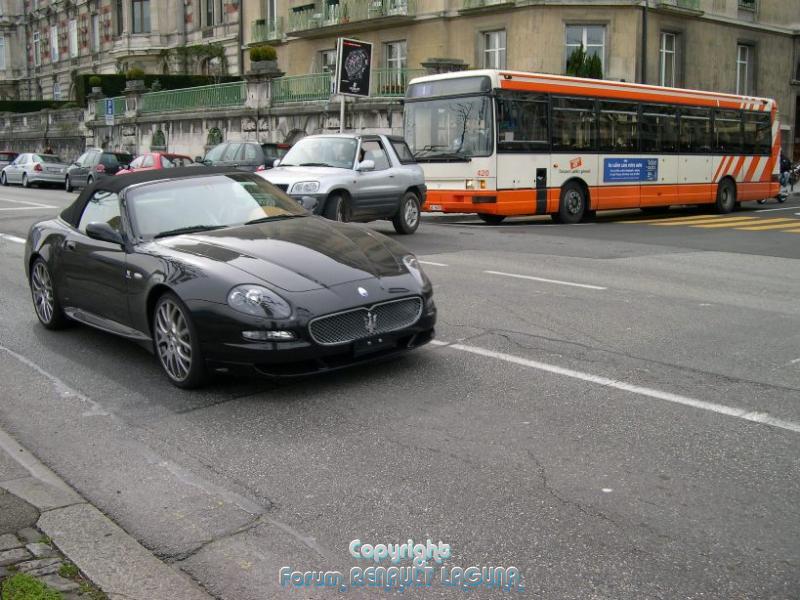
(27, 203)
(774, 209)
(707, 221)
(29, 208)
(674, 219)
(430, 262)
(795, 361)
(12, 238)
(730, 411)
(556, 281)
(736, 222)
(767, 224)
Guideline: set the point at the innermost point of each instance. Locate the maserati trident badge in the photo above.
(364, 293)
(371, 322)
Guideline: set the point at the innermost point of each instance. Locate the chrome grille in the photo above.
(360, 323)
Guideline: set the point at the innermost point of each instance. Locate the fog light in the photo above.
(469, 184)
(268, 336)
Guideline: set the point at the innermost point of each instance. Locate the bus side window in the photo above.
(659, 128)
(522, 124)
(728, 131)
(573, 125)
(757, 133)
(618, 127)
(695, 130)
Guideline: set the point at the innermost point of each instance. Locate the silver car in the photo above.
(33, 169)
(350, 177)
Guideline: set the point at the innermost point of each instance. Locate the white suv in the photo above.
(351, 177)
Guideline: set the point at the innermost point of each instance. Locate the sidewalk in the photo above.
(49, 532)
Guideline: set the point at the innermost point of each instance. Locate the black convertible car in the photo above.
(219, 271)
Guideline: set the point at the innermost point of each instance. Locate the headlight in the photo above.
(305, 187)
(258, 301)
(412, 264)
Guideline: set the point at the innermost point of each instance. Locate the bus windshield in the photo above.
(449, 128)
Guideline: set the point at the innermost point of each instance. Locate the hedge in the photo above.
(26, 106)
(113, 85)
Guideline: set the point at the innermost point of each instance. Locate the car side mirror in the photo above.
(198, 159)
(103, 232)
(276, 162)
(366, 165)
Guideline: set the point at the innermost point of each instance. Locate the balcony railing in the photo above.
(748, 4)
(223, 95)
(100, 107)
(266, 30)
(684, 4)
(390, 83)
(474, 4)
(302, 88)
(348, 11)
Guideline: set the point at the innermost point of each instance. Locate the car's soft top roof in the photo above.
(72, 214)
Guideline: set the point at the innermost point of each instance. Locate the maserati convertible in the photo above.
(216, 270)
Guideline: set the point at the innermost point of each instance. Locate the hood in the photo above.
(289, 175)
(299, 254)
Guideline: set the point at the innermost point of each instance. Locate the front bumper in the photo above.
(226, 351)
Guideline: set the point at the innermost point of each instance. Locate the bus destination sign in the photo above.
(630, 170)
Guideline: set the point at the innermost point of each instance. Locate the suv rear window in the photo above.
(403, 151)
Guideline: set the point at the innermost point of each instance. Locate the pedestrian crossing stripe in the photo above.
(741, 223)
(767, 224)
(674, 219)
(729, 222)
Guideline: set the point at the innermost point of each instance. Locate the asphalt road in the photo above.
(613, 408)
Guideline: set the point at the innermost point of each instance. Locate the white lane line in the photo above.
(556, 281)
(29, 208)
(26, 202)
(730, 411)
(434, 264)
(774, 209)
(12, 238)
(795, 361)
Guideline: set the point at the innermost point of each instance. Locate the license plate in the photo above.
(435, 207)
(375, 344)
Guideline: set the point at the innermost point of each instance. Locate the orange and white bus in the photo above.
(503, 143)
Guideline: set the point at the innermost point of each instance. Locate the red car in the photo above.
(152, 161)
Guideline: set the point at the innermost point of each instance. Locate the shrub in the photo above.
(134, 73)
(95, 81)
(24, 587)
(259, 53)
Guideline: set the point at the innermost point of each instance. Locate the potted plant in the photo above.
(263, 58)
(96, 84)
(135, 79)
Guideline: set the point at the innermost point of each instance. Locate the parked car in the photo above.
(224, 272)
(7, 157)
(94, 164)
(350, 177)
(34, 169)
(153, 161)
(245, 156)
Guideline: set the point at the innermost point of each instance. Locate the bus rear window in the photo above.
(450, 87)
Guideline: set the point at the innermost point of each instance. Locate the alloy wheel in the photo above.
(42, 288)
(411, 214)
(173, 340)
(574, 202)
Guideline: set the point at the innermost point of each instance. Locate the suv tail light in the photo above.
(37, 167)
(261, 168)
(101, 168)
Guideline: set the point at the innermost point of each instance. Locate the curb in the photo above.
(110, 558)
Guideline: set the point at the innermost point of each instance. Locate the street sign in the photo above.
(109, 111)
(353, 67)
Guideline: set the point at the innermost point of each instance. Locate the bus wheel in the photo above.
(491, 219)
(572, 206)
(726, 197)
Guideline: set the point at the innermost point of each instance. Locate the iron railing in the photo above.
(347, 11)
(471, 4)
(302, 88)
(223, 95)
(685, 4)
(390, 83)
(263, 30)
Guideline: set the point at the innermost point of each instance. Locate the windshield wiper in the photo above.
(428, 148)
(445, 156)
(315, 164)
(189, 229)
(273, 218)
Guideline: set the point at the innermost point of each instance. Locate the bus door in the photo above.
(522, 152)
(694, 168)
(659, 142)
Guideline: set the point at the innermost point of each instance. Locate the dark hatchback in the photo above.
(244, 156)
(217, 270)
(93, 165)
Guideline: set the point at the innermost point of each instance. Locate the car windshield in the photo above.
(49, 158)
(449, 128)
(322, 152)
(205, 203)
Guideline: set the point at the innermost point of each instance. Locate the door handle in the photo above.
(69, 245)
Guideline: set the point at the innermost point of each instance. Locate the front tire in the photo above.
(3, 180)
(491, 219)
(68, 184)
(406, 221)
(176, 343)
(573, 204)
(45, 300)
(726, 197)
(89, 181)
(336, 209)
